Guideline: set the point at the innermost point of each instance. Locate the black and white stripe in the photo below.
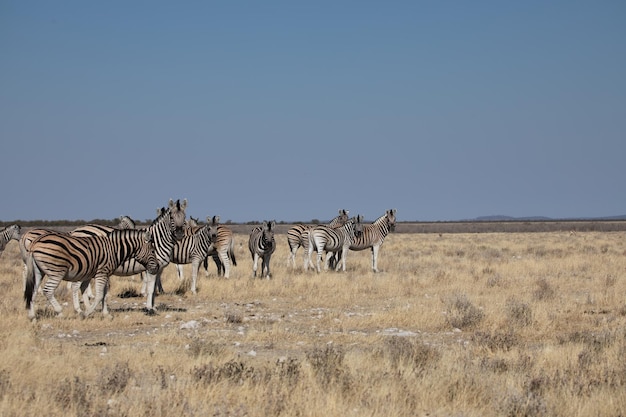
(165, 230)
(223, 252)
(333, 242)
(60, 256)
(193, 249)
(373, 235)
(262, 245)
(9, 233)
(298, 236)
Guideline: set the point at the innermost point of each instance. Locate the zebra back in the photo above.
(82, 257)
(298, 235)
(332, 239)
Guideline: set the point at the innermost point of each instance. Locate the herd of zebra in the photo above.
(92, 253)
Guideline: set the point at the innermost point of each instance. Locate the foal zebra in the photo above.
(8, 233)
(374, 234)
(193, 249)
(262, 245)
(79, 259)
(298, 236)
(337, 240)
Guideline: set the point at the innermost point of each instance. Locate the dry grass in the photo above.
(494, 324)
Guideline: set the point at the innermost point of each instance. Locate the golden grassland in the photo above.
(489, 324)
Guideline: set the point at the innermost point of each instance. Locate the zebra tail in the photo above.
(29, 280)
(232, 256)
(231, 252)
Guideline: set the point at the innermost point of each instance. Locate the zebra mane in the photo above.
(161, 212)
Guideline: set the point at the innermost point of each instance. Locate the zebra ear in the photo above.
(147, 236)
(183, 206)
(273, 224)
(171, 203)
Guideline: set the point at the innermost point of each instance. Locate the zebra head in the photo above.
(358, 225)
(343, 217)
(13, 232)
(213, 221)
(177, 213)
(146, 255)
(391, 219)
(267, 233)
(126, 223)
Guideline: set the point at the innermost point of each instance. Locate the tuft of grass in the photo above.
(461, 313)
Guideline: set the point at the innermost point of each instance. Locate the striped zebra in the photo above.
(193, 249)
(262, 245)
(223, 253)
(222, 249)
(80, 259)
(126, 222)
(298, 236)
(165, 230)
(8, 233)
(373, 235)
(333, 241)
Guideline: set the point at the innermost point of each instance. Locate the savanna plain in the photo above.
(459, 324)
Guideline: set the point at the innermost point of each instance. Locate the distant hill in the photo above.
(502, 218)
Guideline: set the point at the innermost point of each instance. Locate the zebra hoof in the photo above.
(151, 312)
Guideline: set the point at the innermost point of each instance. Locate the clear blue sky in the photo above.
(288, 110)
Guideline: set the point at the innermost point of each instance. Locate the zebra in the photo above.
(222, 250)
(193, 249)
(298, 236)
(262, 245)
(337, 240)
(61, 256)
(373, 235)
(165, 230)
(126, 222)
(8, 233)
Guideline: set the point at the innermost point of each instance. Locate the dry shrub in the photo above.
(461, 313)
(544, 290)
(200, 347)
(526, 404)
(233, 371)
(72, 393)
(5, 382)
(496, 341)
(519, 313)
(328, 366)
(402, 351)
(114, 379)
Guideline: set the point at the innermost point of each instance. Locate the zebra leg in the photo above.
(48, 289)
(195, 266)
(225, 262)
(149, 284)
(101, 282)
(375, 258)
(254, 267)
(291, 259)
(320, 250)
(265, 265)
(75, 288)
(179, 270)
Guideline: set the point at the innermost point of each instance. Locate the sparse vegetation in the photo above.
(471, 324)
